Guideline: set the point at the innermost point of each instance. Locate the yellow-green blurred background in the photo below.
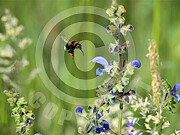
(150, 18)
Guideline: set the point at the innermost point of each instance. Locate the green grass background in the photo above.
(159, 19)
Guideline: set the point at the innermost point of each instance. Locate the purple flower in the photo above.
(112, 93)
(97, 130)
(103, 62)
(99, 72)
(130, 133)
(79, 110)
(94, 109)
(131, 123)
(113, 48)
(108, 110)
(133, 92)
(136, 63)
(113, 100)
(116, 49)
(89, 108)
(127, 99)
(173, 92)
(176, 87)
(104, 128)
(99, 115)
(131, 28)
(105, 125)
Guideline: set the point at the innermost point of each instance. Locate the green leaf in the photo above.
(125, 81)
(129, 70)
(8, 93)
(110, 12)
(31, 115)
(21, 101)
(120, 10)
(17, 119)
(112, 29)
(11, 101)
(119, 87)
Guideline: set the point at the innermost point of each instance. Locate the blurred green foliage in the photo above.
(148, 18)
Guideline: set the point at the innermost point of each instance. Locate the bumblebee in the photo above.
(71, 46)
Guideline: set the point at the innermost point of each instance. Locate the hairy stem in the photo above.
(121, 103)
(120, 55)
(87, 128)
(120, 118)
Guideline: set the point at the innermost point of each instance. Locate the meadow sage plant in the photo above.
(114, 89)
(139, 115)
(12, 62)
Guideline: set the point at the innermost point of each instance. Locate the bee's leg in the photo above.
(71, 53)
(80, 48)
(82, 51)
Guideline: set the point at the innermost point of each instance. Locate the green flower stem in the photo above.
(120, 55)
(120, 118)
(87, 128)
(159, 127)
(121, 103)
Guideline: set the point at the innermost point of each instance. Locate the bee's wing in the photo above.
(65, 37)
(65, 48)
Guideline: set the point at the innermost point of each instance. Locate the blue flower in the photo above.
(133, 133)
(97, 130)
(105, 125)
(94, 109)
(107, 68)
(127, 99)
(130, 27)
(113, 99)
(133, 92)
(103, 62)
(174, 92)
(99, 115)
(108, 110)
(113, 48)
(136, 63)
(176, 87)
(116, 49)
(99, 72)
(89, 108)
(79, 110)
(104, 128)
(130, 133)
(112, 93)
(131, 123)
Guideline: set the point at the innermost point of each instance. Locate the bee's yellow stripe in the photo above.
(69, 43)
(75, 43)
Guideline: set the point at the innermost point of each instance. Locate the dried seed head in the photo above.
(154, 64)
